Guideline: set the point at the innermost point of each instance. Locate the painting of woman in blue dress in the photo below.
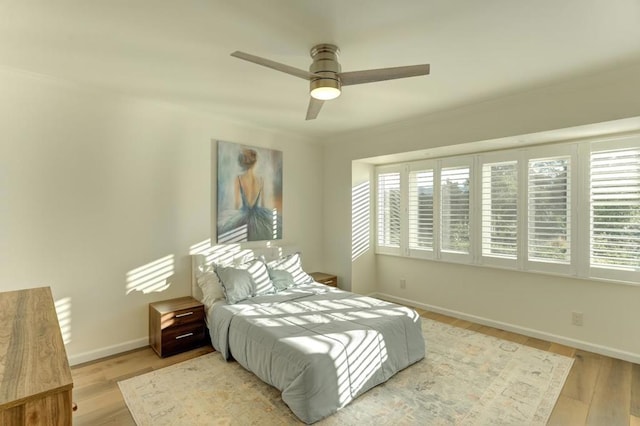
(249, 193)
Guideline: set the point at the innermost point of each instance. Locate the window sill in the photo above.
(515, 269)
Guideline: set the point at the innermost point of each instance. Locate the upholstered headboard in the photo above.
(231, 253)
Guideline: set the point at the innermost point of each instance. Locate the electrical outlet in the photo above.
(403, 284)
(577, 318)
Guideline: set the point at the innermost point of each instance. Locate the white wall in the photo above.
(94, 185)
(533, 304)
(363, 270)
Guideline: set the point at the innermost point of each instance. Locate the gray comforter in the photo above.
(320, 346)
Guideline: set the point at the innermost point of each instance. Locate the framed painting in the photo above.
(249, 193)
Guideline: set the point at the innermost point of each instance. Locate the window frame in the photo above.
(541, 153)
(421, 253)
(579, 209)
(497, 158)
(387, 249)
(598, 271)
(450, 255)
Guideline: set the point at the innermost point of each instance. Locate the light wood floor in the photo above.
(599, 390)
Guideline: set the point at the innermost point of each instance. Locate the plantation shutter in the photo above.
(615, 209)
(454, 209)
(500, 210)
(389, 209)
(549, 207)
(421, 210)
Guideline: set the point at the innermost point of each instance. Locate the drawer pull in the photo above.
(184, 315)
(182, 336)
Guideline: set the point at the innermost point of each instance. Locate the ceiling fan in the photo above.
(326, 77)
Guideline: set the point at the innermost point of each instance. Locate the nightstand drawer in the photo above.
(179, 339)
(183, 316)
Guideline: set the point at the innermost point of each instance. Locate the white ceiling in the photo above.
(178, 51)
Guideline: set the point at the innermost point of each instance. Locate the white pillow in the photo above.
(287, 272)
(260, 275)
(211, 288)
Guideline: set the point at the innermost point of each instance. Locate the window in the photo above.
(421, 193)
(568, 208)
(389, 209)
(500, 210)
(455, 209)
(615, 209)
(549, 200)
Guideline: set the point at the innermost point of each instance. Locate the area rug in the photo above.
(467, 378)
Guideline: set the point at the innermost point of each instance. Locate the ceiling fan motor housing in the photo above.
(325, 63)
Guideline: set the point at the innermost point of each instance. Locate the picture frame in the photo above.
(249, 193)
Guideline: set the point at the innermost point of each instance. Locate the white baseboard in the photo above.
(578, 344)
(108, 351)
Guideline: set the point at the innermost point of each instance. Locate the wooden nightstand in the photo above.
(176, 325)
(326, 279)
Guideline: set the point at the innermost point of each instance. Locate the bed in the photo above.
(320, 346)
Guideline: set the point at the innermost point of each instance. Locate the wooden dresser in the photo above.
(35, 379)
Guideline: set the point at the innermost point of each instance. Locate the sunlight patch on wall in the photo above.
(232, 254)
(63, 310)
(152, 277)
(227, 254)
(224, 254)
(200, 247)
(360, 219)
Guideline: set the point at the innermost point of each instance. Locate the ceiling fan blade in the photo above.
(369, 76)
(274, 65)
(314, 108)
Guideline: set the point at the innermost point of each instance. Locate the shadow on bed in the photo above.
(321, 348)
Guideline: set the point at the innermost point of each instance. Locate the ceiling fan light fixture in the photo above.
(326, 88)
(325, 93)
